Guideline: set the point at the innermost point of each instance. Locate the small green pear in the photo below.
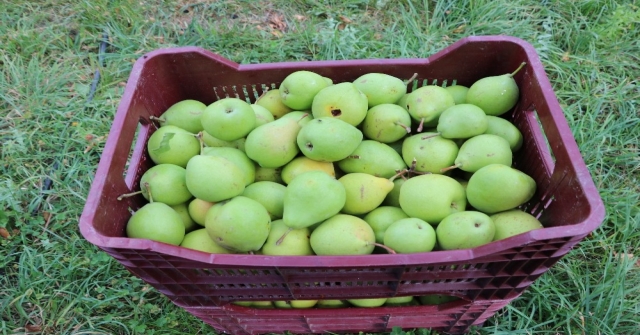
(496, 95)
(410, 235)
(368, 302)
(364, 192)
(513, 222)
(432, 197)
(386, 123)
(327, 139)
(213, 178)
(374, 158)
(199, 240)
(427, 103)
(393, 198)
(458, 92)
(183, 211)
(284, 241)
(303, 164)
(312, 197)
(505, 129)
(332, 303)
(273, 144)
(343, 101)
(269, 194)
(272, 101)
(228, 119)
(262, 304)
(430, 151)
(237, 157)
(381, 88)
(400, 301)
(381, 218)
(184, 114)
(240, 224)
(263, 115)
(269, 174)
(211, 141)
(302, 117)
(303, 303)
(165, 183)
(198, 209)
(298, 89)
(172, 145)
(158, 222)
(463, 230)
(462, 121)
(482, 150)
(497, 187)
(343, 234)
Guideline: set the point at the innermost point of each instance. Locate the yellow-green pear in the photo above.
(312, 197)
(240, 224)
(368, 302)
(200, 240)
(172, 145)
(284, 241)
(184, 114)
(505, 129)
(496, 95)
(198, 210)
(269, 194)
(272, 101)
(343, 234)
(364, 192)
(158, 222)
(303, 164)
(272, 145)
(513, 222)
(497, 187)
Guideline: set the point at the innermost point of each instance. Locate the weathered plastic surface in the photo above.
(566, 201)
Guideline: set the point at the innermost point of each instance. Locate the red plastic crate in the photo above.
(566, 201)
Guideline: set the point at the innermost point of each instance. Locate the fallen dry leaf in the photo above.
(276, 21)
(33, 328)
(460, 29)
(4, 233)
(300, 17)
(345, 19)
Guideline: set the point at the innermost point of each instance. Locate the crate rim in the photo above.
(578, 230)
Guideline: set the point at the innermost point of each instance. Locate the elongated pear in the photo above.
(312, 197)
(462, 121)
(505, 129)
(497, 187)
(343, 234)
(427, 103)
(364, 192)
(273, 144)
(482, 150)
(496, 95)
(374, 158)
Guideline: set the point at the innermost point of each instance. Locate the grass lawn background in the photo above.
(53, 282)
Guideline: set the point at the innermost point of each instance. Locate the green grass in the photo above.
(53, 282)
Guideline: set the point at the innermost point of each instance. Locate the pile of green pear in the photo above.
(352, 168)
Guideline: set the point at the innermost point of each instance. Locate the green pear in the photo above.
(184, 114)
(497, 187)
(381, 218)
(262, 304)
(482, 150)
(303, 164)
(393, 198)
(513, 222)
(368, 302)
(302, 117)
(269, 194)
(198, 209)
(400, 301)
(410, 235)
(312, 197)
(172, 145)
(496, 95)
(298, 89)
(397, 145)
(263, 115)
(272, 101)
(165, 183)
(458, 92)
(158, 222)
(432, 197)
(430, 151)
(343, 234)
(211, 141)
(213, 178)
(237, 157)
(343, 101)
(328, 139)
(303, 303)
(183, 211)
(269, 174)
(386, 123)
(436, 299)
(284, 241)
(199, 240)
(283, 304)
(240, 224)
(462, 121)
(228, 119)
(505, 129)
(374, 158)
(364, 192)
(427, 103)
(243, 303)
(273, 145)
(381, 88)
(332, 303)
(464, 230)
(402, 102)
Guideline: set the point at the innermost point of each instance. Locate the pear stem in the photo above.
(128, 195)
(518, 69)
(450, 167)
(408, 81)
(407, 128)
(400, 173)
(157, 119)
(148, 188)
(354, 156)
(263, 93)
(200, 137)
(430, 136)
(391, 251)
(420, 125)
(279, 241)
(302, 118)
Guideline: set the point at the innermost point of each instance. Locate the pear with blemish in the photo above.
(364, 192)
(343, 101)
(283, 241)
(386, 123)
(185, 114)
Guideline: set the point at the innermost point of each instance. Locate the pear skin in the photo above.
(343, 234)
(364, 192)
(312, 197)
